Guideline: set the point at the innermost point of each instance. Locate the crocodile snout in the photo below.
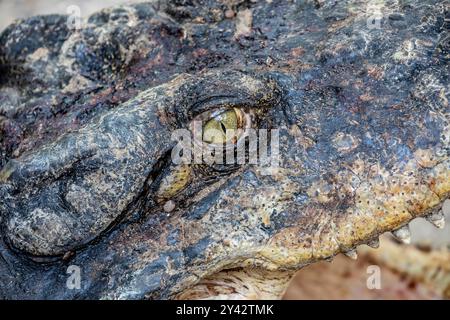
(63, 195)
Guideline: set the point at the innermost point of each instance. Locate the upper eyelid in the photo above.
(217, 103)
(213, 112)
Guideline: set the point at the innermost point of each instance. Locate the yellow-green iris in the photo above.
(215, 130)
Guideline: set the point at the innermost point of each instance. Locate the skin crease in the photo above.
(86, 118)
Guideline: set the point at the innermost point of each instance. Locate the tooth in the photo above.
(351, 254)
(403, 234)
(374, 243)
(437, 219)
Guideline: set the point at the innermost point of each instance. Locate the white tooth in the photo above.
(403, 234)
(374, 243)
(351, 254)
(437, 219)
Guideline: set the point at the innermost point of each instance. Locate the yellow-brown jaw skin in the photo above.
(86, 116)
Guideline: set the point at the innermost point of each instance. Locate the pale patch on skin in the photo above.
(75, 83)
(39, 54)
(406, 52)
(426, 158)
(320, 190)
(244, 20)
(178, 178)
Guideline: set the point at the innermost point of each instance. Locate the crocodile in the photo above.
(354, 92)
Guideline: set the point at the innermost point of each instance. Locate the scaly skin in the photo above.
(86, 118)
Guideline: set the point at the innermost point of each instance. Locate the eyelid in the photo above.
(217, 103)
(209, 115)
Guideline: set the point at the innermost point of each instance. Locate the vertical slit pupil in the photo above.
(224, 129)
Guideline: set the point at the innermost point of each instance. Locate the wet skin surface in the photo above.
(86, 118)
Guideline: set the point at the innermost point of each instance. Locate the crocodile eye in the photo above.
(223, 126)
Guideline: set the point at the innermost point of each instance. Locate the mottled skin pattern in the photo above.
(86, 117)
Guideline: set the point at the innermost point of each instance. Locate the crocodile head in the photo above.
(353, 97)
